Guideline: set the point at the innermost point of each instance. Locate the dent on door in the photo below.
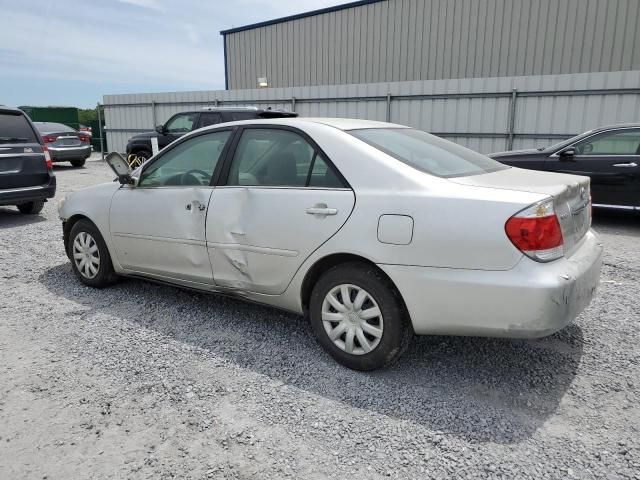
(258, 238)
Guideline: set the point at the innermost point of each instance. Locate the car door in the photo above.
(176, 127)
(612, 160)
(282, 199)
(158, 226)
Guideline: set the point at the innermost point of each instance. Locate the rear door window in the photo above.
(279, 158)
(15, 128)
(207, 119)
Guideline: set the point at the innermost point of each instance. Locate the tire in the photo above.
(387, 335)
(78, 163)
(98, 275)
(146, 154)
(31, 208)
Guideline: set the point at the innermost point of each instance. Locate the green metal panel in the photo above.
(66, 115)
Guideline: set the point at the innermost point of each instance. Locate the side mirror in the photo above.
(160, 129)
(567, 154)
(120, 167)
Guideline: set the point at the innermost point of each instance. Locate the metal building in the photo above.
(374, 41)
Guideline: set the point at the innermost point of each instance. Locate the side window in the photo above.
(322, 175)
(181, 123)
(235, 116)
(191, 163)
(619, 142)
(207, 119)
(271, 157)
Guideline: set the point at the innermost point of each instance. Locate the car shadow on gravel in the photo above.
(10, 217)
(487, 390)
(625, 220)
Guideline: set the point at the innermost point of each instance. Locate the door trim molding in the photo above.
(152, 238)
(254, 249)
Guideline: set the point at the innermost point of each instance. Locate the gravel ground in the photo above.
(148, 381)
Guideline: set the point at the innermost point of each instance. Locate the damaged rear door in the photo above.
(282, 199)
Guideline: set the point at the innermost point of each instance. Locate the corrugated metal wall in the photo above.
(473, 112)
(403, 40)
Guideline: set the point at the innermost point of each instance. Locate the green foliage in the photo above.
(87, 115)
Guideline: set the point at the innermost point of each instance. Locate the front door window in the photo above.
(181, 123)
(191, 163)
(618, 142)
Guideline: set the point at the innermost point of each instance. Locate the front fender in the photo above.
(94, 204)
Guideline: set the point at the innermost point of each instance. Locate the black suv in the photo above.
(185, 122)
(26, 176)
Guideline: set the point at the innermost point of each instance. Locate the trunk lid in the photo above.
(64, 139)
(571, 196)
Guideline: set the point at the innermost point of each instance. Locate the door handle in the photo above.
(321, 209)
(625, 165)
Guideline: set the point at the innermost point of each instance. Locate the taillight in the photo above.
(84, 138)
(49, 139)
(536, 232)
(47, 158)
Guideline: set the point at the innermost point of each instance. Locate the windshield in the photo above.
(428, 153)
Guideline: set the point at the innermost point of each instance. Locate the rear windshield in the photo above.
(428, 153)
(14, 128)
(49, 127)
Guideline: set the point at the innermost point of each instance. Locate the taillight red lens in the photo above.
(49, 139)
(84, 138)
(47, 158)
(536, 232)
(531, 234)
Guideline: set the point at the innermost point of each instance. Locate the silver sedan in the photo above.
(375, 231)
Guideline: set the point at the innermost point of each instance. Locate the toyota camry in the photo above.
(374, 231)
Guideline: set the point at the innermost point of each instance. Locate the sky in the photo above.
(72, 52)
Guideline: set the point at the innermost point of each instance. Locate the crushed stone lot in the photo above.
(148, 381)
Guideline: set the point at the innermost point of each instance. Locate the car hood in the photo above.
(143, 135)
(514, 153)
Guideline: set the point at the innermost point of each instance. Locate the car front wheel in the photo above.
(89, 255)
(358, 317)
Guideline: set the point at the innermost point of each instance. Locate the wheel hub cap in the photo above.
(352, 319)
(86, 255)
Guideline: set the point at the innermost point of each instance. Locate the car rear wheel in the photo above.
(358, 317)
(89, 255)
(78, 163)
(31, 208)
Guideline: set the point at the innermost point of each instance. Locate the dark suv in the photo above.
(185, 122)
(26, 177)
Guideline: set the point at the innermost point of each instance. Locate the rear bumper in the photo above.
(14, 196)
(531, 300)
(63, 154)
